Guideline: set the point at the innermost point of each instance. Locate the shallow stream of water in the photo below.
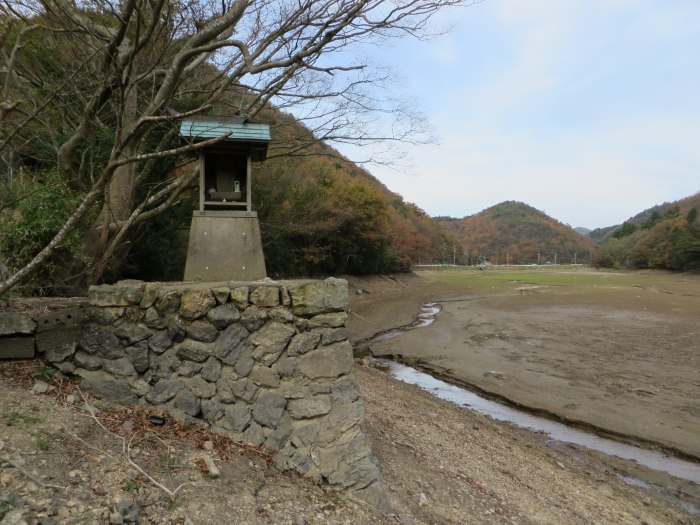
(559, 431)
(556, 431)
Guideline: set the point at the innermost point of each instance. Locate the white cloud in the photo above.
(585, 110)
(581, 178)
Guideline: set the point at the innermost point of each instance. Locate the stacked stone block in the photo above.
(266, 363)
(53, 330)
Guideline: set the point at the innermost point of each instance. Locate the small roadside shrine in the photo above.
(225, 242)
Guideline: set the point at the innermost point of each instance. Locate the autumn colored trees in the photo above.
(665, 238)
(515, 233)
(329, 217)
(93, 92)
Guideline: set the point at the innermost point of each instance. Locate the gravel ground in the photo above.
(442, 463)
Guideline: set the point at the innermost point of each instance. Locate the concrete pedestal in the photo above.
(225, 246)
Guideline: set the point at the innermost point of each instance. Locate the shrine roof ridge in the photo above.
(237, 128)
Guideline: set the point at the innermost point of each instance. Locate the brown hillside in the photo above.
(322, 214)
(513, 232)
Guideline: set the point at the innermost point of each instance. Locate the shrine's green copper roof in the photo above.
(234, 128)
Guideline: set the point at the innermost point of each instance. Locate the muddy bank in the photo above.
(442, 464)
(629, 369)
(601, 367)
(384, 302)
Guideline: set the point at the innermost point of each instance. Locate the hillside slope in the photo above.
(322, 214)
(665, 236)
(602, 235)
(516, 233)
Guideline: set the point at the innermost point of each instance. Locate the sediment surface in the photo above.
(618, 351)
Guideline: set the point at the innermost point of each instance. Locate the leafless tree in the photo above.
(102, 84)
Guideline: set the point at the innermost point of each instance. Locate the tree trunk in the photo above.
(116, 208)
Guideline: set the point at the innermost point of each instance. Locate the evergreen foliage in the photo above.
(626, 229)
(33, 207)
(668, 238)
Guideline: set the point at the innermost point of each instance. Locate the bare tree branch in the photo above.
(100, 98)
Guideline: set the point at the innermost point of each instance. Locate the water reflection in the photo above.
(649, 458)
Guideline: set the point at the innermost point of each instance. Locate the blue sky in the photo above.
(588, 110)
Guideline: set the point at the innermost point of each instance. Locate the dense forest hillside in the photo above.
(323, 214)
(666, 236)
(516, 233)
(602, 235)
(320, 214)
(97, 183)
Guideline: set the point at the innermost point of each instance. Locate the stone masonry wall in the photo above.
(266, 363)
(46, 326)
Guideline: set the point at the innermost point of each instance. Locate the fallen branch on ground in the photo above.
(18, 465)
(126, 451)
(643, 391)
(365, 320)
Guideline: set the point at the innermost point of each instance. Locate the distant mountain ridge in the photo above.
(602, 235)
(666, 236)
(516, 233)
